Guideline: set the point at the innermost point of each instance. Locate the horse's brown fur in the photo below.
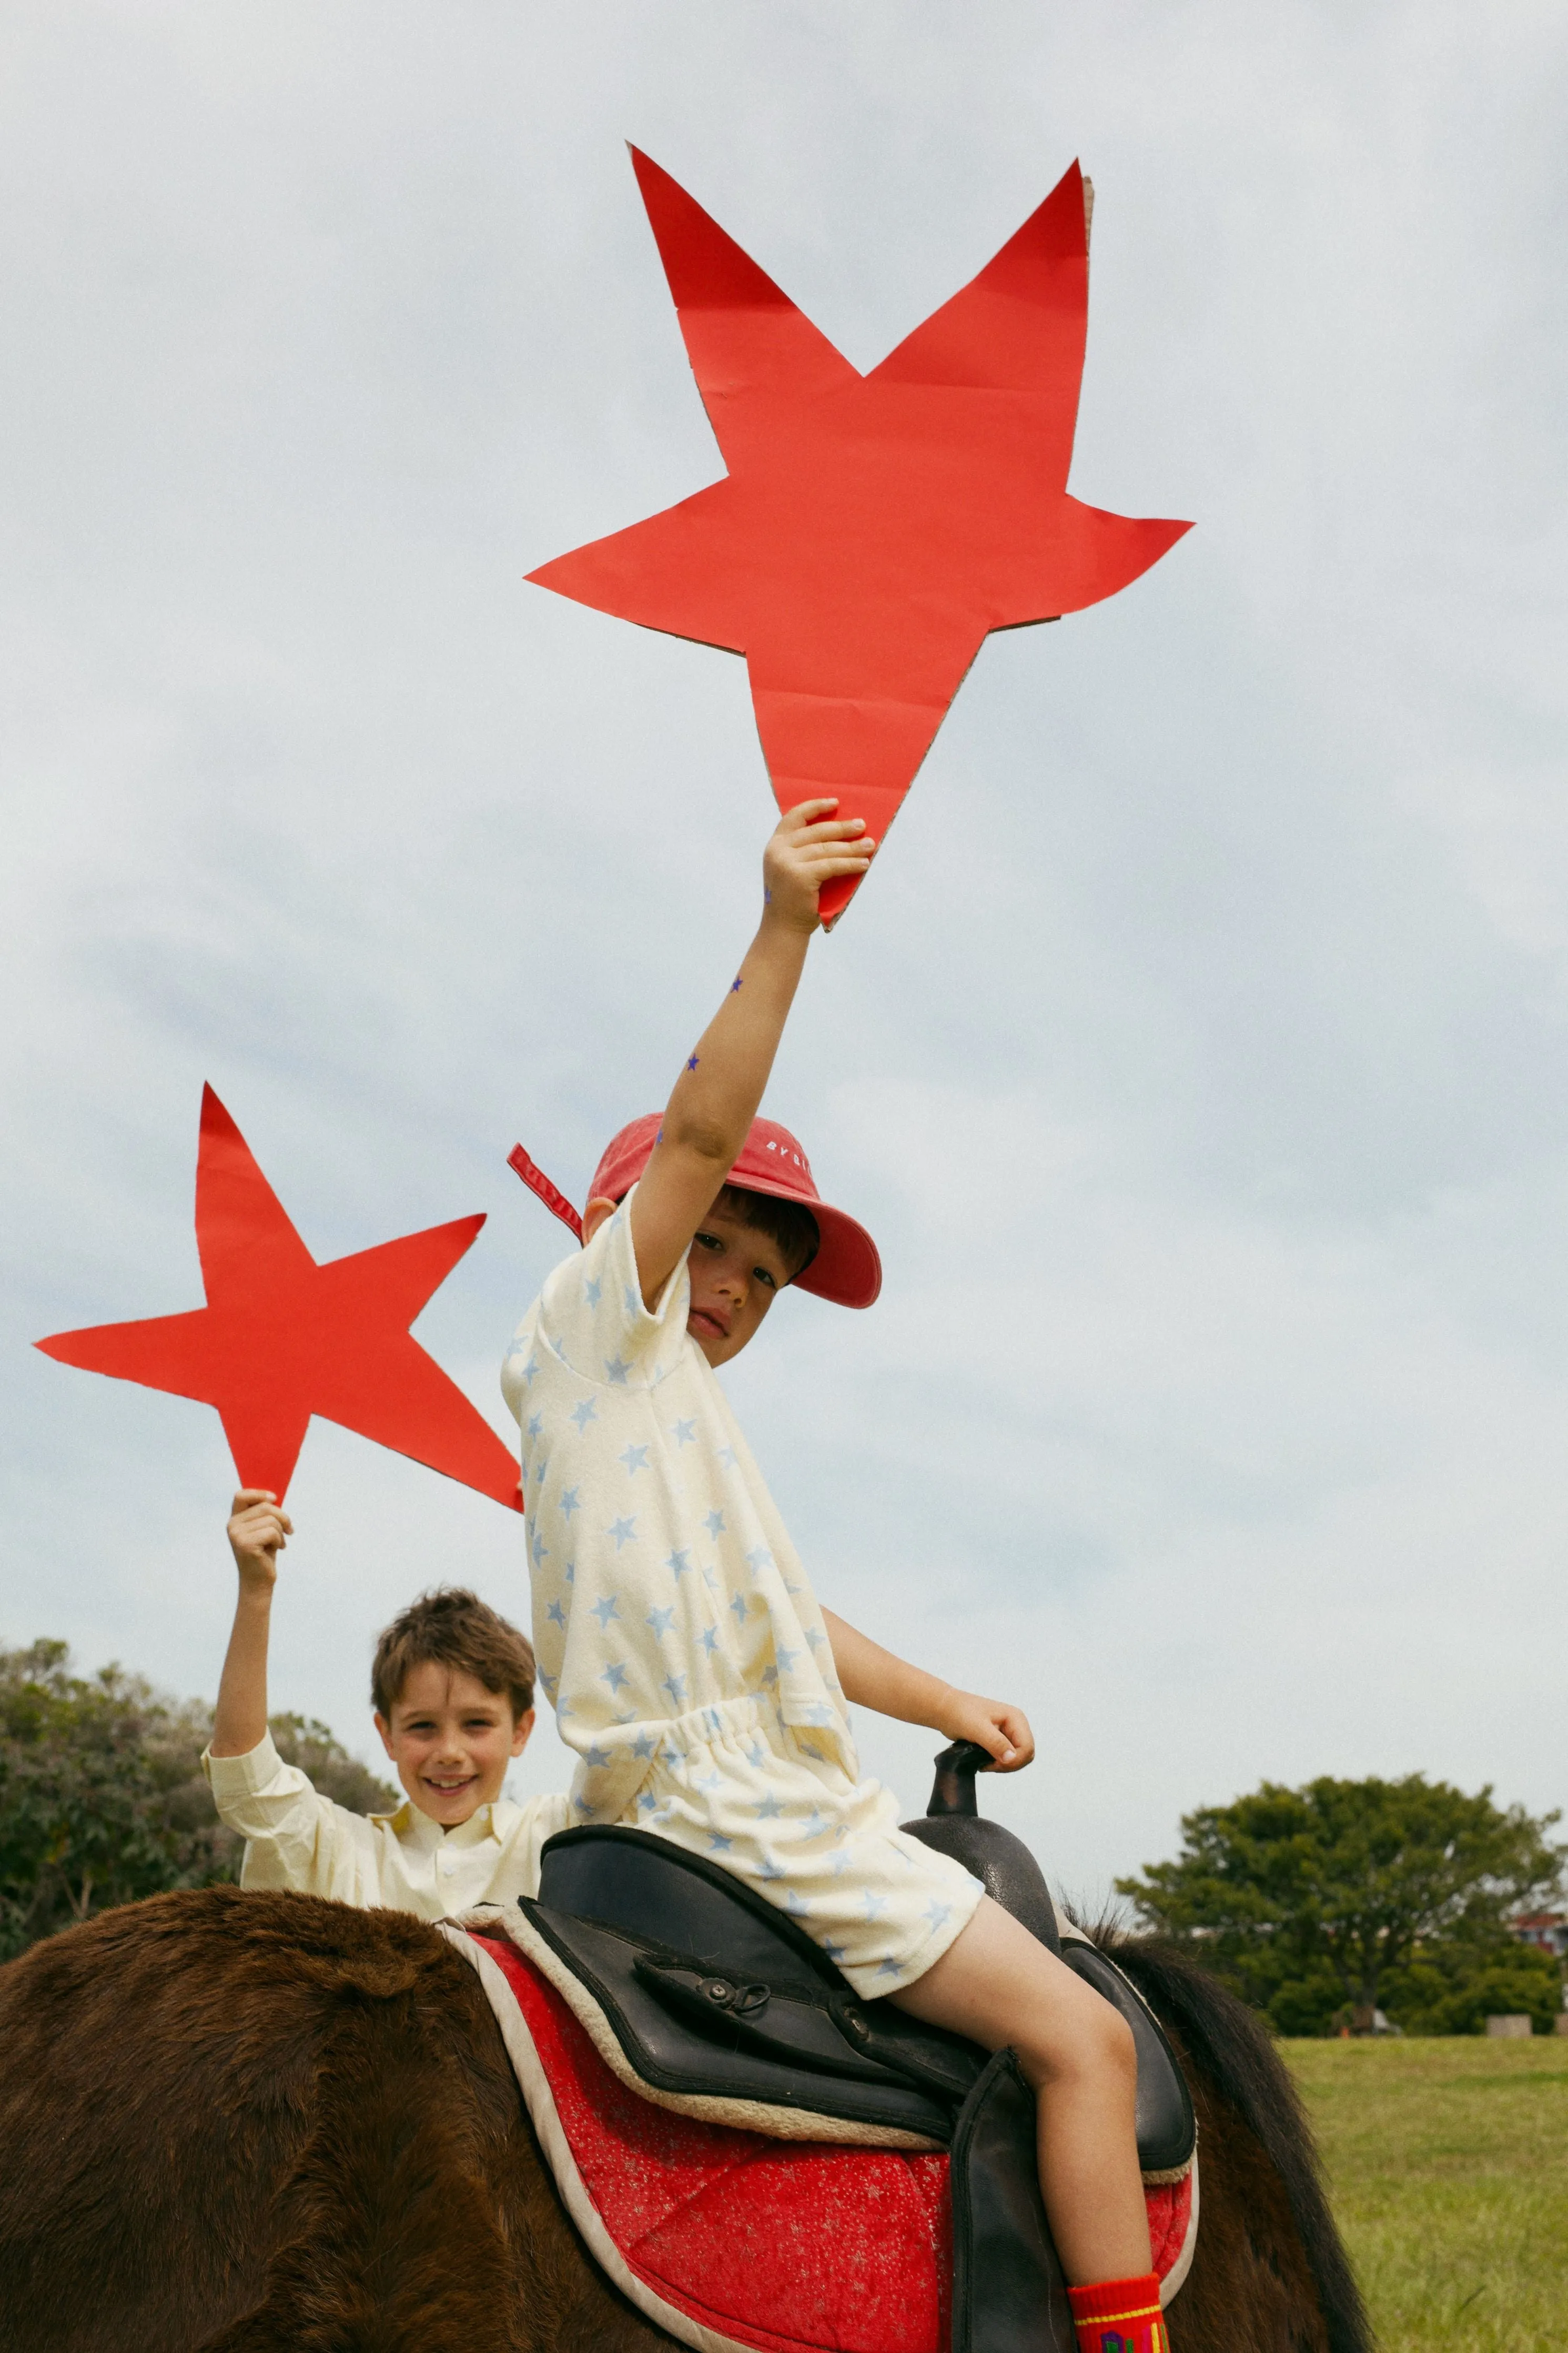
(267, 2123)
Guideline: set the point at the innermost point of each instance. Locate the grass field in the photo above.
(1447, 2162)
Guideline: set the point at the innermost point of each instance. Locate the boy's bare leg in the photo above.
(998, 1985)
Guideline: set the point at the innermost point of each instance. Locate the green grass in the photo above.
(1447, 2162)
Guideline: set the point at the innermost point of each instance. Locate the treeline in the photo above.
(1328, 1906)
(103, 1797)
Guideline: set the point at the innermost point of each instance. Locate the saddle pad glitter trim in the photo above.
(730, 2241)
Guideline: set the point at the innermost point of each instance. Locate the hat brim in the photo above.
(848, 1268)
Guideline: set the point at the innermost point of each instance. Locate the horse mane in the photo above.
(1234, 2049)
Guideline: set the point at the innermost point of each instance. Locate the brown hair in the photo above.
(789, 1224)
(453, 1628)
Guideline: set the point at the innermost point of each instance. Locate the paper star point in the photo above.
(870, 531)
(282, 1338)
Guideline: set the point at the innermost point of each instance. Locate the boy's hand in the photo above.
(996, 1725)
(806, 848)
(259, 1529)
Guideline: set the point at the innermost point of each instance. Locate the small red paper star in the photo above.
(870, 529)
(281, 1338)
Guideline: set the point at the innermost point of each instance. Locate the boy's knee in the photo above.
(1114, 2047)
(1089, 2040)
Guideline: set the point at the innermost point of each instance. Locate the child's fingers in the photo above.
(807, 812)
(824, 869)
(837, 828)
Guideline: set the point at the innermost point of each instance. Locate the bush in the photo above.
(1454, 1988)
(102, 1798)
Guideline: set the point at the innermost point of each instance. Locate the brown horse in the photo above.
(267, 2123)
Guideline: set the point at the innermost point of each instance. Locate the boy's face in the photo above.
(736, 1275)
(451, 1741)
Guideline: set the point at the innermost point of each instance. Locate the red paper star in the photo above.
(871, 530)
(281, 1338)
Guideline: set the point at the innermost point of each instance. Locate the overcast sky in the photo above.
(1196, 1052)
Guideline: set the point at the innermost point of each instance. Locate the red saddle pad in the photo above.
(734, 2242)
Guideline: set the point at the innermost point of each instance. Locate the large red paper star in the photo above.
(871, 530)
(281, 1338)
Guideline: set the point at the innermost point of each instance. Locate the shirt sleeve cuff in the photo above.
(242, 1776)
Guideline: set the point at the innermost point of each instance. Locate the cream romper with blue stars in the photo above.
(677, 1637)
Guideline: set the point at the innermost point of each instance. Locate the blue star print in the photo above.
(714, 1524)
(718, 1844)
(584, 1413)
(645, 1747)
(613, 1675)
(623, 1530)
(590, 1292)
(606, 1609)
(676, 1686)
(556, 1614)
(618, 1370)
(678, 1562)
(597, 1756)
(685, 1432)
(739, 1606)
(661, 1620)
(539, 1549)
(759, 1558)
(875, 1905)
(786, 1660)
(939, 1914)
(635, 1459)
(535, 1424)
(770, 1810)
(710, 1638)
(569, 1503)
(629, 1295)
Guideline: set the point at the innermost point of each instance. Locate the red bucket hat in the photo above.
(847, 1267)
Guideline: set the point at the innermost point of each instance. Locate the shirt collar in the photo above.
(409, 1827)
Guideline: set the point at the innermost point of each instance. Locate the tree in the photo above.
(102, 1798)
(1313, 1899)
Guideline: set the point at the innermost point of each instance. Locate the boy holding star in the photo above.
(691, 1668)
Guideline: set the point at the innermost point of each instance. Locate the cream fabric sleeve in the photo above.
(294, 1837)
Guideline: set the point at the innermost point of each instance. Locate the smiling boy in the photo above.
(690, 1665)
(452, 1687)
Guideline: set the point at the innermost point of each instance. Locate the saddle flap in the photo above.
(797, 2027)
(801, 2060)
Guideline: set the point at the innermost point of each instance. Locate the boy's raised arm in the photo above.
(259, 1528)
(715, 1100)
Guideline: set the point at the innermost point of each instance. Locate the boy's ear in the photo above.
(384, 1729)
(593, 1216)
(522, 1727)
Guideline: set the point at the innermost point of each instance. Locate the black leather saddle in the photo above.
(714, 1994)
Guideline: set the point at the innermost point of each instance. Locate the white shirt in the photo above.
(664, 1581)
(295, 1837)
